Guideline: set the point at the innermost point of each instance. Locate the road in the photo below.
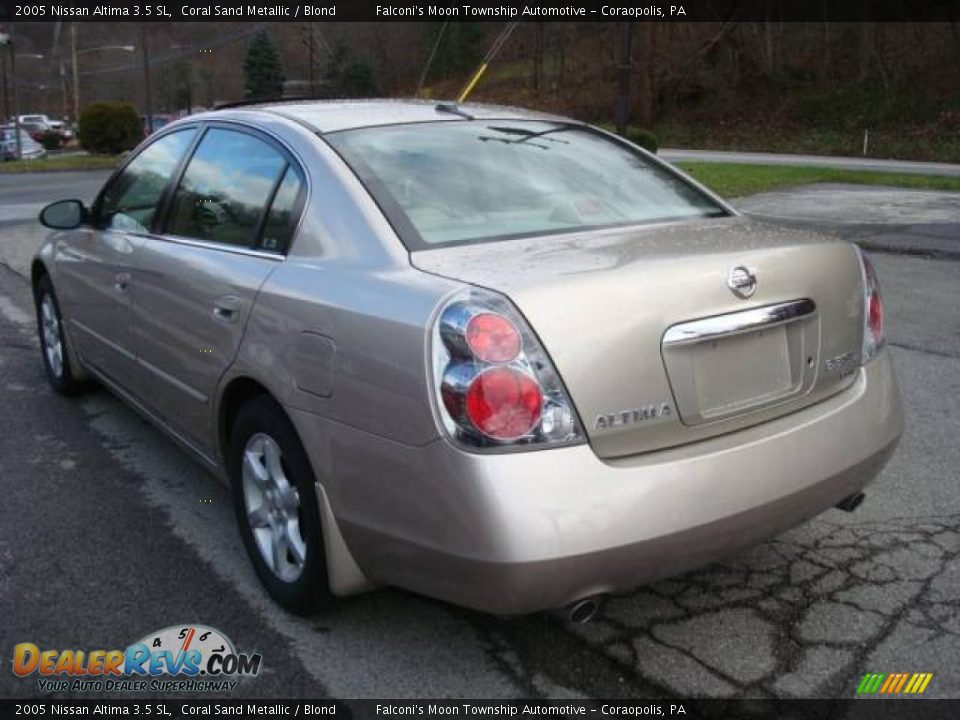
(845, 163)
(910, 222)
(108, 532)
(23, 196)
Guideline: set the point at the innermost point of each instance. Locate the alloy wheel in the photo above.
(52, 337)
(273, 508)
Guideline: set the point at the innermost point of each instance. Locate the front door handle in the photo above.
(227, 308)
(121, 282)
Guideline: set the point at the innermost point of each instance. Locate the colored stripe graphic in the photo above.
(890, 683)
(918, 683)
(871, 682)
(901, 683)
(894, 683)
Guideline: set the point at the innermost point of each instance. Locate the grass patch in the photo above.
(923, 141)
(734, 179)
(61, 162)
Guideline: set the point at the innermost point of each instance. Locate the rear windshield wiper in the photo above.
(528, 134)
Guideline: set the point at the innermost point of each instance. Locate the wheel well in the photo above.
(237, 393)
(37, 271)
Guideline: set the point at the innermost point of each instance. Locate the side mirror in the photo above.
(63, 215)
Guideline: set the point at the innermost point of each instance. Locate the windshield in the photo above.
(460, 182)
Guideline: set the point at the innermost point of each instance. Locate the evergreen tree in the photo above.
(262, 68)
(357, 80)
(345, 77)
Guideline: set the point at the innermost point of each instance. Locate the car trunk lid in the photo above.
(655, 347)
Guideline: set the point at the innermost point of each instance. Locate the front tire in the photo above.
(275, 499)
(53, 344)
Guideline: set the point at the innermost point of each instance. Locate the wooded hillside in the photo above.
(801, 87)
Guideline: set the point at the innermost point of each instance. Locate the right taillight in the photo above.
(496, 387)
(872, 311)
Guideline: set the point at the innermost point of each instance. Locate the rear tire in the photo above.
(275, 500)
(53, 343)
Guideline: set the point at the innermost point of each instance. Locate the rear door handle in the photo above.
(121, 282)
(227, 308)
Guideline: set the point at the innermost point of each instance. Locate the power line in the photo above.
(433, 53)
(488, 58)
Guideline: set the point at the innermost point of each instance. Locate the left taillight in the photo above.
(873, 338)
(495, 386)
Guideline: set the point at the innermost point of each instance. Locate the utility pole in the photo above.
(313, 91)
(538, 59)
(16, 95)
(623, 74)
(63, 89)
(4, 85)
(146, 75)
(58, 56)
(76, 73)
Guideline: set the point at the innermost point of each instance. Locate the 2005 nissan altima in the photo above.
(492, 356)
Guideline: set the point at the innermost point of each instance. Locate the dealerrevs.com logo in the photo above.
(180, 658)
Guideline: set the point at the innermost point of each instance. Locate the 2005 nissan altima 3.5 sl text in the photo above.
(492, 356)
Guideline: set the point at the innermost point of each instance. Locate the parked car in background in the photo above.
(493, 356)
(36, 120)
(30, 149)
(38, 125)
(62, 127)
(34, 129)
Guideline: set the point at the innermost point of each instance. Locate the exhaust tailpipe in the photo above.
(849, 504)
(582, 611)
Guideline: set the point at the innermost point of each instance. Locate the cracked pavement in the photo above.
(797, 616)
(108, 531)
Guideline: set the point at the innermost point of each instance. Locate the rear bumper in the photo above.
(515, 533)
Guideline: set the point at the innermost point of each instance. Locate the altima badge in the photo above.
(742, 281)
(631, 417)
(844, 363)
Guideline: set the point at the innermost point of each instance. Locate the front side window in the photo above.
(474, 181)
(131, 199)
(225, 189)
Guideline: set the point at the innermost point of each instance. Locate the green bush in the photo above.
(109, 128)
(644, 138)
(50, 139)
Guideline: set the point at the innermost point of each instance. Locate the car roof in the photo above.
(333, 115)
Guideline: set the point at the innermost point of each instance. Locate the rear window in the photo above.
(475, 181)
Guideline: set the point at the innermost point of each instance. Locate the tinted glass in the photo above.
(225, 188)
(279, 226)
(131, 199)
(457, 182)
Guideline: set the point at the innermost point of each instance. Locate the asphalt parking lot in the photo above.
(108, 532)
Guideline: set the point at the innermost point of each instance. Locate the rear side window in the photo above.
(226, 188)
(130, 201)
(284, 210)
